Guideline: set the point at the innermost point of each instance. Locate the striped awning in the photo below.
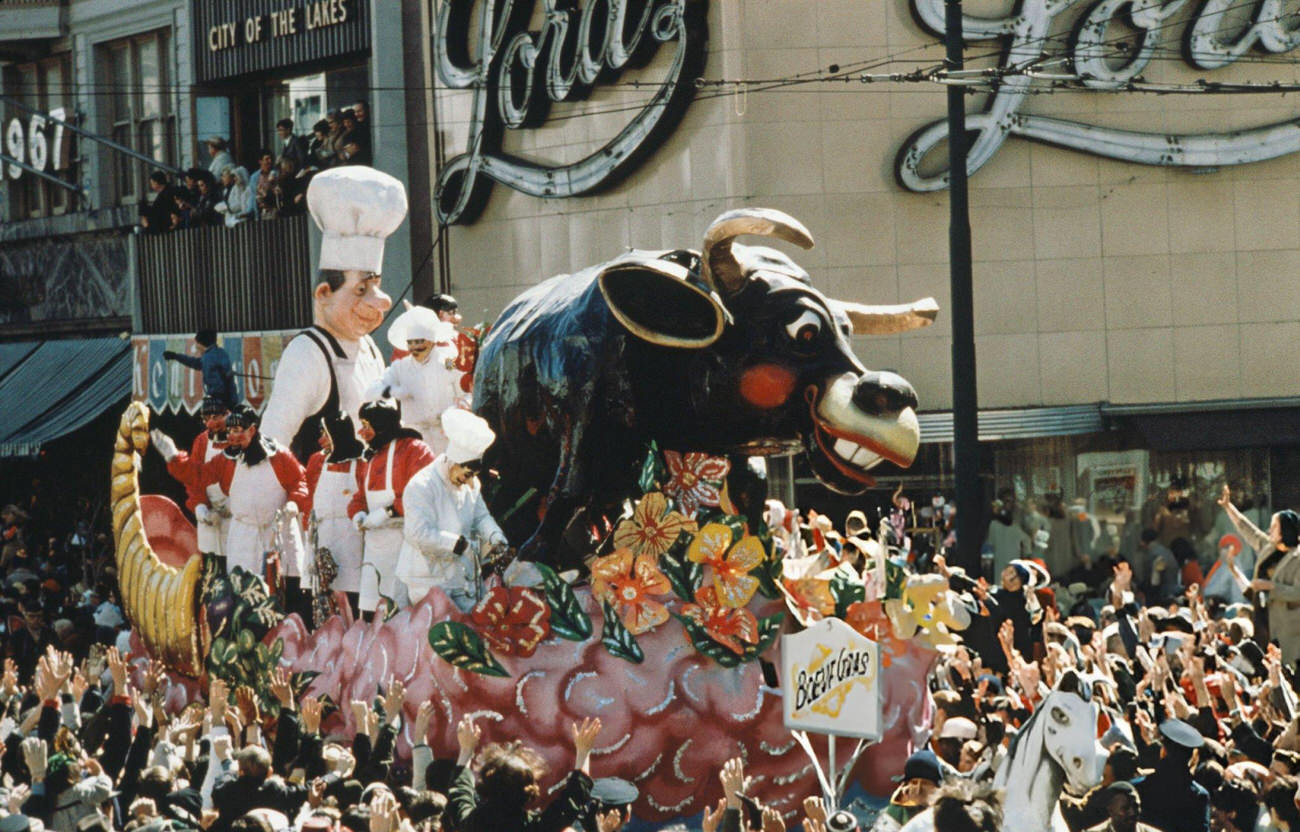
(1019, 423)
(51, 388)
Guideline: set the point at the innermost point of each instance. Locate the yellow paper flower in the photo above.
(730, 565)
(652, 529)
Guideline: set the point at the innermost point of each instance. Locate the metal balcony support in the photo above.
(76, 189)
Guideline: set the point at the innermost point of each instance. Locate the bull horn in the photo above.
(161, 601)
(719, 266)
(889, 320)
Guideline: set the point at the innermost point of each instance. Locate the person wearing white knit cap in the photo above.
(424, 381)
(328, 367)
(444, 511)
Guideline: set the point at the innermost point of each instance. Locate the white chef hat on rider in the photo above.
(468, 435)
(356, 208)
(422, 323)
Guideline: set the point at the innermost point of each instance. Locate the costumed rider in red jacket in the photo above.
(268, 490)
(394, 455)
(331, 483)
(203, 494)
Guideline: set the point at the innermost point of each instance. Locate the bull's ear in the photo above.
(888, 320)
(660, 302)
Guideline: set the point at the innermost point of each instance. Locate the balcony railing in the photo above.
(255, 276)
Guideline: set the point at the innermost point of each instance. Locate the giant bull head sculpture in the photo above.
(728, 351)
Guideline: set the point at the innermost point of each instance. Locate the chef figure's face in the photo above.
(460, 474)
(419, 348)
(355, 309)
(240, 437)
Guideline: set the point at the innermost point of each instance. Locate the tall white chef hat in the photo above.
(356, 208)
(420, 322)
(468, 435)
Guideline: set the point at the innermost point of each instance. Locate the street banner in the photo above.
(171, 386)
(831, 680)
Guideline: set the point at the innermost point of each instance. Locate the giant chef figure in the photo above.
(328, 367)
(446, 516)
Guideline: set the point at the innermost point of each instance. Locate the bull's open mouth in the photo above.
(847, 454)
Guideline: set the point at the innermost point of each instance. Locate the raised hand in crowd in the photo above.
(281, 688)
(712, 819)
(311, 715)
(117, 668)
(394, 699)
(584, 739)
(468, 735)
(423, 719)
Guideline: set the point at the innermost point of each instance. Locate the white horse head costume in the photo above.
(1054, 750)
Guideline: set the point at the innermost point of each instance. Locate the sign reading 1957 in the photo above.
(280, 23)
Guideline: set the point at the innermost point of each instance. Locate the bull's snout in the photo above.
(880, 392)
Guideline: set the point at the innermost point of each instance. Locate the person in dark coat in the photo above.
(251, 786)
(1171, 799)
(156, 217)
(214, 363)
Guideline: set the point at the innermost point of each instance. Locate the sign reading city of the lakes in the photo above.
(236, 37)
(516, 74)
(170, 385)
(1216, 34)
(830, 676)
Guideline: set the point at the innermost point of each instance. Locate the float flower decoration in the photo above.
(730, 565)
(653, 527)
(695, 479)
(726, 625)
(629, 584)
(513, 620)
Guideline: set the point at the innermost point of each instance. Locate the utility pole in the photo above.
(965, 398)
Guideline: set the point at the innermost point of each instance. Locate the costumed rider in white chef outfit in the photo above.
(328, 367)
(445, 515)
(425, 381)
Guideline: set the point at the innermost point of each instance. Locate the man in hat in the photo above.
(922, 774)
(394, 455)
(203, 494)
(1170, 799)
(424, 381)
(444, 509)
(214, 363)
(328, 367)
(331, 482)
(262, 479)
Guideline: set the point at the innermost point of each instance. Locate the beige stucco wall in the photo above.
(1094, 279)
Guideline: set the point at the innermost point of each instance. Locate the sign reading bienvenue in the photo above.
(170, 385)
(831, 677)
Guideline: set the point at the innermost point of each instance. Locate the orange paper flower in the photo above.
(513, 620)
(730, 565)
(652, 529)
(811, 597)
(627, 582)
(727, 626)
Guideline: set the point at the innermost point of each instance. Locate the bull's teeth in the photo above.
(861, 457)
(845, 448)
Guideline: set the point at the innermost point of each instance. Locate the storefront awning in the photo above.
(1020, 423)
(51, 388)
(1192, 426)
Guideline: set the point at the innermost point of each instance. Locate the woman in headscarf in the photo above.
(236, 206)
(1276, 583)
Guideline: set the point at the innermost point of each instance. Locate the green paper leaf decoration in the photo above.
(846, 591)
(568, 619)
(684, 575)
(652, 470)
(460, 645)
(616, 638)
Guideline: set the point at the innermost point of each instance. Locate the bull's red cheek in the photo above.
(767, 385)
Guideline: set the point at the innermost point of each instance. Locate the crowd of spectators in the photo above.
(1198, 712)
(225, 193)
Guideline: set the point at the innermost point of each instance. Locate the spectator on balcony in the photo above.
(237, 196)
(259, 185)
(204, 212)
(214, 363)
(289, 190)
(320, 152)
(354, 144)
(156, 216)
(220, 155)
(362, 112)
(291, 146)
(335, 121)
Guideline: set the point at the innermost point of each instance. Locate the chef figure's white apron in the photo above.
(379, 564)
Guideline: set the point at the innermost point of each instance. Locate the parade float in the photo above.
(628, 401)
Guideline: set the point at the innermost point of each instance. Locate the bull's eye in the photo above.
(805, 328)
(1060, 716)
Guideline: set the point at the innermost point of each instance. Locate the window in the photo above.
(42, 86)
(140, 112)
